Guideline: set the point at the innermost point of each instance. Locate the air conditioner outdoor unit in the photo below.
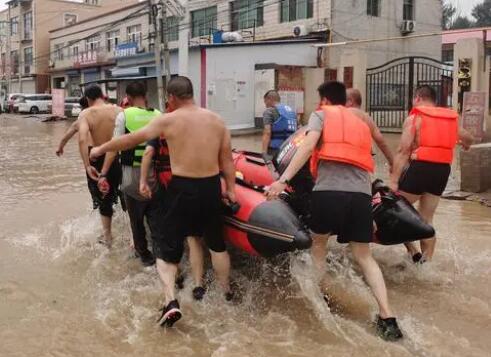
(408, 26)
(301, 30)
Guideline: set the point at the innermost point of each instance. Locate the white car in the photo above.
(33, 103)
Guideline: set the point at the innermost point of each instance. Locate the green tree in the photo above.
(461, 22)
(482, 14)
(448, 13)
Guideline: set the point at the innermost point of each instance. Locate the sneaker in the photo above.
(170, 314)
(147, 258)
(198, 293)
(388, 329)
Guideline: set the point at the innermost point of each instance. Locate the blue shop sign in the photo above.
(126, 49)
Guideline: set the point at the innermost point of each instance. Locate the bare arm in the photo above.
(266, 137)
(145, 190)
(298, 161)
(403, 153)
(227, 164)
(71, 131)
(154, 129)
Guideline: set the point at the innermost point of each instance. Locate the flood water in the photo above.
(61, 294)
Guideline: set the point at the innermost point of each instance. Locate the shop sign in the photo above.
(126, 49)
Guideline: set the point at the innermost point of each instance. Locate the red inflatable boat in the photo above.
(261, 227)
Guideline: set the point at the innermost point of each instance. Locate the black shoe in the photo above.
(388, 329)
(418, 258)
(170, 314)
(233, 293)
(198, 293)
(180, 281)
(147, 258)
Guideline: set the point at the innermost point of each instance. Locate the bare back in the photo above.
(101, 120)
(195, 137)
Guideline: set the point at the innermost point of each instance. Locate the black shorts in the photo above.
(345, 214)
(193, 207)
(425, 177)
(105, 203)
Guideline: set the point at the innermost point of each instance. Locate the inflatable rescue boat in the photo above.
(396, 219)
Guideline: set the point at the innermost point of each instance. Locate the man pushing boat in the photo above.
(199, 147)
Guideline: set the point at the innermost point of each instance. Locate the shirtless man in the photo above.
(96, 125)
(354, 101)
(73, 129)
(424, 158)
(199, 148)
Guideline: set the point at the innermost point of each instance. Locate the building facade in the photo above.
(87, 51)
(24, 38)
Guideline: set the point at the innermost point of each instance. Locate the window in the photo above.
(27, 60)
(292, 10)
(408, 10)
(28, 25)
(59, 52)
(14, 25)
(172, 32)
(75, 51)
(4, 64)
(447, 55)
(93, 43)
(134, 34)
(246, 14)
(203, 21)
(112, 40)
(69, 19)
(373, 8)
(14, 60)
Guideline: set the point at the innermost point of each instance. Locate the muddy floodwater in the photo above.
(61, 294)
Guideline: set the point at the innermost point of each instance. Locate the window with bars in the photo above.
(172, 29)
(93, 43)
(28, 60)
(134, 34)
(59, 52)
(246, 14)
(203, 21)
(408, 10)
(292, 10)
(373, 8)
(14, 61)
(28, 25)
(14, 25)
(112, 40)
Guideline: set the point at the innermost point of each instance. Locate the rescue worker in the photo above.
(279, 122)
(354, 101)
(200, 149)
(157, 153)
(423, 162)
(340, 144)
(133, 118)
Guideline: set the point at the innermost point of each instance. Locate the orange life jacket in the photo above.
(345, 138)
(438, 134)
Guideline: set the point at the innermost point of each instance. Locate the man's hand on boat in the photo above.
(275, 189)
(230, 196)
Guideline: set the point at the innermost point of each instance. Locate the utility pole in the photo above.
(165, 26)
(8, 55)
(184, 41)
(154, 11)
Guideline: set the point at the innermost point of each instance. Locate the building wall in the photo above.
(47, 15)
(351, 22)
(230, 76)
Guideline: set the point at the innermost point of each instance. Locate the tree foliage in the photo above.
(448, 14)
(482, 14)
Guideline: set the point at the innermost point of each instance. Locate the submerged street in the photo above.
(62, 294)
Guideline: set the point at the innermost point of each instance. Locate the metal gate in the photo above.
(390, 88)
